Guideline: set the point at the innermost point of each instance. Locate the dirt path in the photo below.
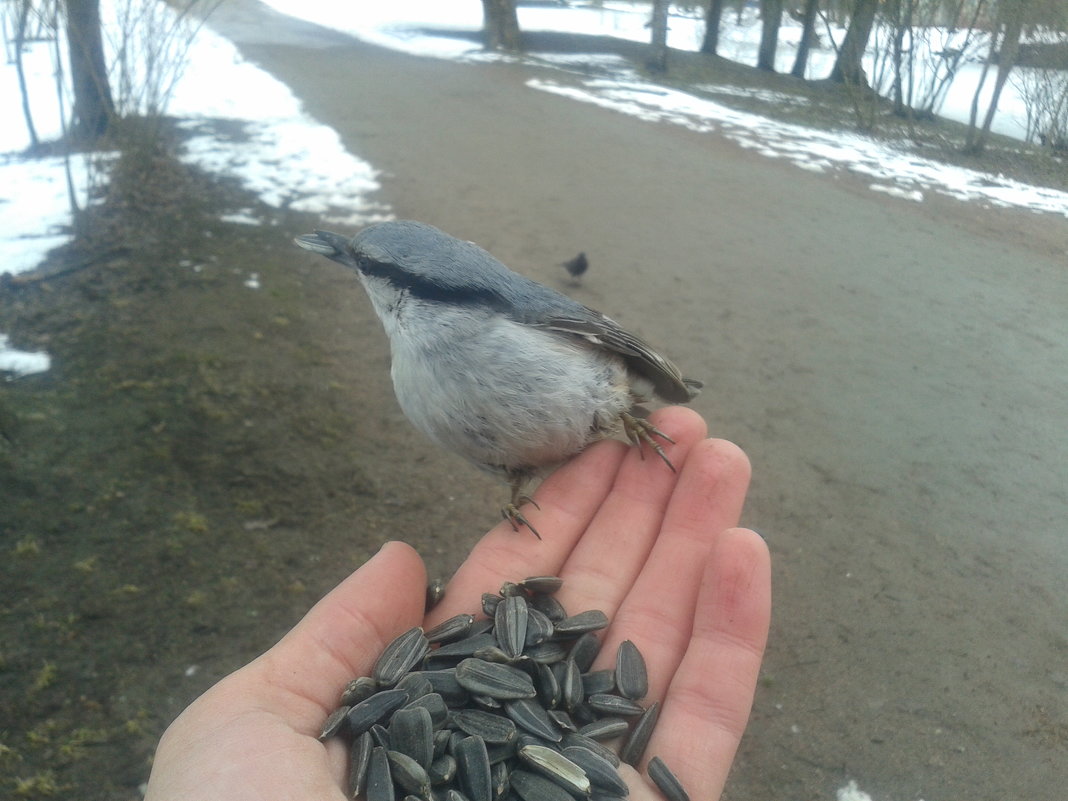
(896, 371)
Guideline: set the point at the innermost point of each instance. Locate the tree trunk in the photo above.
(658, 53)
(20, 37)
(93, 106)
(808, 34)
(712, 21)
(770, 20)
(848, 67)
(500, 25)
(1013, 16)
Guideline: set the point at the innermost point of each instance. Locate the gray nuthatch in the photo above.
(506, 372)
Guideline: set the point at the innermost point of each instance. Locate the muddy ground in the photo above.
(205, 460)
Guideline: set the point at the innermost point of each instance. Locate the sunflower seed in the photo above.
(571, 693)
(366, 713)
(556, 767)
(499, 778)
(408, 774)
(632, 678)
(358, 690)
(445, 684)
(545, 585)
(359, 759)
(435, 591)
(487, 703)
(497, 681)
(380, 735)
(601, 773)
(493, 654)
(599, 681)
(442, 769)
(667, 781)
(590, 620)
(634, 747)
(532, 787)
(473, 768)
(572, 740)
(379, 781)
(609, 704)
(510, 588)
(561, 719)
(548, 606)
(605, 728)
(531, 716)
(434, 704)
(411, 732)
(585, 650)
(415, 684)
(461, 649)
(455, 628)
(491, 728)
(547, 686)
(441, 742)
(539, 627)
(510, 624)
(338, 718)
(400, 656)
(489, 603)
(546, 653)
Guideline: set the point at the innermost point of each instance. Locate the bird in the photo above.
(577, 268)
(513, 376)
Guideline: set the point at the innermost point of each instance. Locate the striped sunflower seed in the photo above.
(548, 606)
(455, 628)
(634, 748)
(599, 681)
(359, 760)
(575, 740)
(366, 713)
(379, 780)
(531, 716)
(532, 787)
(510, 625)
(435, 591)
(358, 690)
(490, 727)
(666, 780)
(556, 767)
(602, 774)
(442, 769)
(585, 650)
(539, 627)
(605, 728)
(400, 656)
(497, 681)
(544, 585)
(610, 704)
(408, 774)
(632, 680)
(434, 704)
(571, 692)
(338, 718)
(411, 732)
(473, 769)
(590, 620)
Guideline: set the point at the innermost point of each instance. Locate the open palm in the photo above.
(654, 550)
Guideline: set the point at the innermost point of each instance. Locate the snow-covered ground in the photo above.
(291, 160)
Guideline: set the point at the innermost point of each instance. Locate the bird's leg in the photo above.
(511, 512)
(639, 431)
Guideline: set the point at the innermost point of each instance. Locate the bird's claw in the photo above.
(640, 431)
(515, 517)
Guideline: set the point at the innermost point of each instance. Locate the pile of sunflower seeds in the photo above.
(500, 709)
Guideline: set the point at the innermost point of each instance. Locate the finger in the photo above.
(709, 699)
(569, 499)
(604, 564)
(658, 612)
(343, 634)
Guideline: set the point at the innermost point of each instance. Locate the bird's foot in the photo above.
(515, 517)
(641, 432)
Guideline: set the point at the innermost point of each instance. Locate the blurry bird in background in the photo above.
(576, 268)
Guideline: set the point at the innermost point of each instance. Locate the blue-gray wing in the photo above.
(596, 328)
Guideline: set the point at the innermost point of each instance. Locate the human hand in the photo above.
(652, 549)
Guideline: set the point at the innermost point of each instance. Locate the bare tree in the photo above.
(1011, 16)
(658, 54)
(500, 25)
(770, 20)
(848, 67)
(808, 36)
(712, 20)
(93, 106)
